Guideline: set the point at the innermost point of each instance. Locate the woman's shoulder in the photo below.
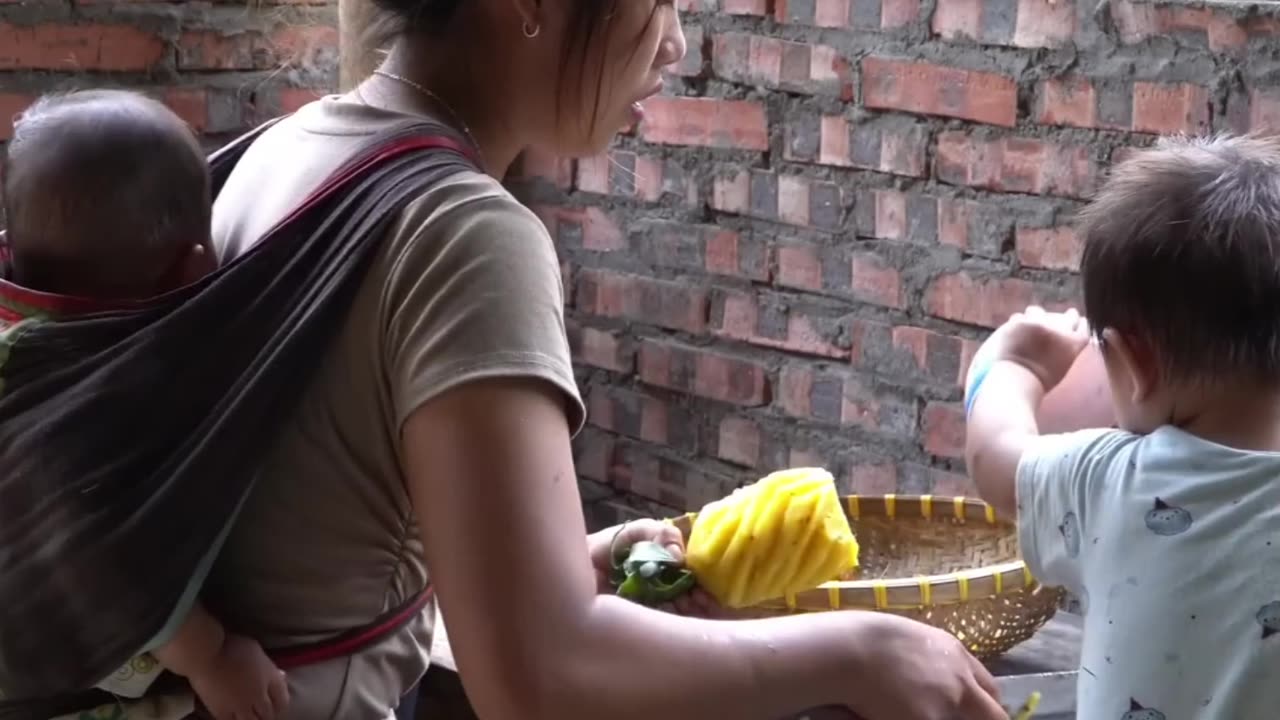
(466, 201)
(466, 217)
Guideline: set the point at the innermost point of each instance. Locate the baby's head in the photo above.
(1181, 272)
(107, 195)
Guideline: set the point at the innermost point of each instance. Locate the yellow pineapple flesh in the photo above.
(784, 533)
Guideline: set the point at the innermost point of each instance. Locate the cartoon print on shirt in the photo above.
(1269, 618)
(1165, 519)
(1137, 712)
(1070, 529)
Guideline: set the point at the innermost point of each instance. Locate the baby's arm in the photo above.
(195, 646)
(1044, 481)
(1001, 398)
(230, 674)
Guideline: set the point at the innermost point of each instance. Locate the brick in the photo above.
(875, 281)
(841, 400)
(916, 479)
(749, 318)
(541, 165)
(1068, 101)
(781, 65)
(705, 122)
(639, 176)
(11, 106)
(789, 199)
(962, 20)
(1055, 248)
(1149, 107)
(102, 47)
(1013, 23)
(891, 147)
(691, 64)
(739, 441)
(1138, 20)
(908, 353)
(1264, 110)
(213, 50)
(604, 349)
(1172, 108)
(800, 265)
(292, 99)
(639, 416)
(633, 297)
(1016, 164)
(705, 248)
(977, 228)
(731, 253)
(1044, 23)
(986, 302)
(872, 479)
(943, 428)
(190, 104)
(594, 454)
(925, 88)
(759, 8)
(589, 228)
(642, 470)
(876, 15)
(704, 373)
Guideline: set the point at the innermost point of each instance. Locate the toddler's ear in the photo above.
(1133, 356)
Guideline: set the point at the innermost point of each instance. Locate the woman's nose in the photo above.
(673, 46)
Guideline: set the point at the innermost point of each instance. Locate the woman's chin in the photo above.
(1082, 400)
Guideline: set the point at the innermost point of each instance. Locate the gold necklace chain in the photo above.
(438, 100)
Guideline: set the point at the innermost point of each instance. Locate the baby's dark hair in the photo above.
(1182, 252)
(104, 191)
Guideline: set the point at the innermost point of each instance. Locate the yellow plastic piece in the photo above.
(784, 534)
(1028, 708)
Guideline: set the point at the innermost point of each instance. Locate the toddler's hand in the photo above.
(241, 683)
(1045, 343)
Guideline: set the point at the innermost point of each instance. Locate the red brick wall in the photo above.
(222, 65)
(793, 258)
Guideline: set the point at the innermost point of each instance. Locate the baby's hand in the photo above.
(1045, 343)
(241, 683)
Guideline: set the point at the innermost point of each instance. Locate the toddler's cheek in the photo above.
(1082, 400)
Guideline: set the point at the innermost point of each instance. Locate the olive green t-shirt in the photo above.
(466, 285)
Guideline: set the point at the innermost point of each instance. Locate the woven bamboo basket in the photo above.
(946, 561)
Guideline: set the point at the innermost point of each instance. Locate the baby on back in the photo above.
(106, 195)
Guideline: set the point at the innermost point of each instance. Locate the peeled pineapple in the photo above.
(785, 533)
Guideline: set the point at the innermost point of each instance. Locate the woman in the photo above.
(437, 432)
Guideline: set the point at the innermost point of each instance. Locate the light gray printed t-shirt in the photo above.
(1172, 544)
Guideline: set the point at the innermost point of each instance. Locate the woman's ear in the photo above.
(529, 15)
(1132, 357)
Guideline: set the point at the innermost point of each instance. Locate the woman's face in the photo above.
(602, 90)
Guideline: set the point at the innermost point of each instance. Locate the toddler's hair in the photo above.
(1182, 252)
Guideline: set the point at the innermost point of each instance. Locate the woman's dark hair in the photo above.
(426, 17)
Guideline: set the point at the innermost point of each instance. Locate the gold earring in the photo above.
(530, 31)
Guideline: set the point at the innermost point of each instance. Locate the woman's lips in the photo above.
(636, 109)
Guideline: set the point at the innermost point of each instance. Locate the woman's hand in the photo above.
(600, 545)
(914, 671)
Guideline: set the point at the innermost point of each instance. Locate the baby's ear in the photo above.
(200, 261)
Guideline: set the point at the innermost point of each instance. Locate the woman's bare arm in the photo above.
(491, 475)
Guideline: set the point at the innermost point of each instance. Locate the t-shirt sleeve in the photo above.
(475, 292)
(1060, 478)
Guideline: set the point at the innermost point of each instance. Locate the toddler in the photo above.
(106, 195)
(1168, 528)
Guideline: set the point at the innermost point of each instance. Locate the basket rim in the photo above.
(979, 583)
